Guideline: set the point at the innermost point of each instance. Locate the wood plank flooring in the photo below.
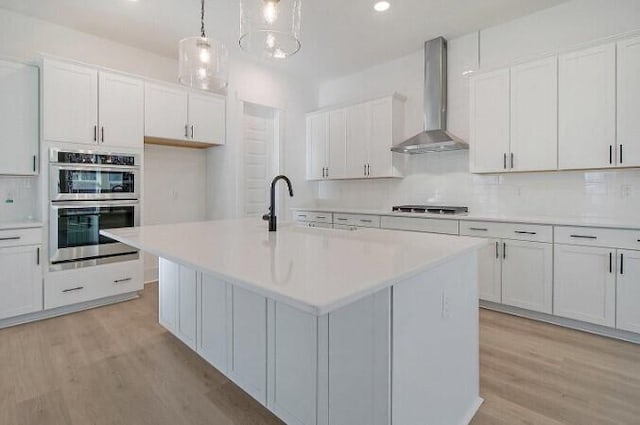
(116, 366)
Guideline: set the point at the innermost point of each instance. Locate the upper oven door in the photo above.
(75, 228)
(92, 182)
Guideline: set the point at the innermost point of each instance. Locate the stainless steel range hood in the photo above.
(435, 138)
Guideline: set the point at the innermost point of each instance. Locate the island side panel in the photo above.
(435, 378)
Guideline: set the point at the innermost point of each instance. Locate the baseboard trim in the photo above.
(561, 321)
(61, 311)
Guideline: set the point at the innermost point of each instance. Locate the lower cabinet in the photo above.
(20, 281)
(490, 272)
(628, 287)
(177, 301)
(213, 313)
(585, 284)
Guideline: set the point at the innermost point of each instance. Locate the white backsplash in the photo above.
(18, 197)
(443, 178)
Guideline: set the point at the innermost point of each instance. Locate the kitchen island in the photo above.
(326, 327)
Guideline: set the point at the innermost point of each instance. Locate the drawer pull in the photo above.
(366, 221)
(321, 217)
(584, 237)
(126, 279)
(342, 219)
(497, 250)
(479, 229)
(522, 232)
(11, 238)
(78, 288)
(302, 215)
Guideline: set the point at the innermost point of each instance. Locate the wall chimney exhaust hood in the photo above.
(435, 137)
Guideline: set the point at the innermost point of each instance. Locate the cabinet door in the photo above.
(317, 139)
(358, 135)
(186, 318)
(585, 284)
(207, 119)
(70, 103)
(18, 119)
(165, 112)
(490, 122)
(628, 154)
(587, 114)
(249, 343)
(168, 278)
(212, 321)
(527, 275)
(337, 167)
(121, 109)
(534, 116)
(490, 272)
(381, 140)
(20, 281)
(628, 287)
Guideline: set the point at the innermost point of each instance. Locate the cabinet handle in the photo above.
(95, 133)
(11, 238)
(620, 153)
(186, 131)
(504, 250)
(479, 229)
(327, 172)
(78, 288)
(368, 170)
(38, 256)
(522, 232)
(102, 134)
(610, 262)
(34, 163)
(512, 160)
(504, 161)
(342, 219)
(583, 237)
(366, 221)
(610, 154)
(497, 249)
(193, 127)
(621, 264)
(322, 217)
(302, 215)
(126, 279)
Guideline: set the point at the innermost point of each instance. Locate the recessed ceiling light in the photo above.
(381, 6)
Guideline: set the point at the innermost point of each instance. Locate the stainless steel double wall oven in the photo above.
(90, 191)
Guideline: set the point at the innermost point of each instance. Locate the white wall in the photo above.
(444, 178)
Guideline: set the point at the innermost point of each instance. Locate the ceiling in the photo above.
(338, 36)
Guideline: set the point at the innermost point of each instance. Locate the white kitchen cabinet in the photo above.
(168, 277)
(628, 291)
(380, 162)
(534, 116)
(587, 108)
(490, 122)
(212, 321)
(177, 301)
(20, 281)
(628, 83)
(70, 103)
(19, 118)
(337, 154)
(121, 110)
(358, 137)
(490, 271)
(527, 275)
(317, 145)
(190, 119)
(248, 366)
(585, 284)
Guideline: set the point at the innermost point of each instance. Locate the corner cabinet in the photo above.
(90, 106)
(354, 142)
(178, 117)
(19, 119)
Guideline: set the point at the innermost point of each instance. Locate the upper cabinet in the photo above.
(84, 105)
(179, 117)
(18, 119)
(628, 154)
(587, 112)
(354, 142)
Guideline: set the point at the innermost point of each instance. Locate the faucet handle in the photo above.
(267, 216)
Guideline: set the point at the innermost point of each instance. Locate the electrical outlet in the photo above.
(626, 190)
(174, 195)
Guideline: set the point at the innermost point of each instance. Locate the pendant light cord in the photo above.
(202, 20)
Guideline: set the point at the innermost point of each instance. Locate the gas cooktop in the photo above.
(431, 209)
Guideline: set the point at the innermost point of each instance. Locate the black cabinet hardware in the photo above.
(126, 279)
(584, 237)
(504, 250)
(610, 262)
(10, 238)
(497, 250)
(479, 229)
(621, 264)
(78, 288)
(522, 232)
(620, 154)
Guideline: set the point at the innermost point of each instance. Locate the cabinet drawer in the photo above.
(429, 225)
(344, 227)
(515, 231)
(314, 216)
(20, 237)
(75, 286)
(360, 220)
(594, 236)
(320, 225)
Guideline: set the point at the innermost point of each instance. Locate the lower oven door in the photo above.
(75, 229)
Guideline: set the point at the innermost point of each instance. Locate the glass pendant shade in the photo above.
(270, 28)
(203, 63)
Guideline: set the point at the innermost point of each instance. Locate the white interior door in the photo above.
(587, 111)
(534, 116)
(628, 287)
(628, 154)
(121, 109)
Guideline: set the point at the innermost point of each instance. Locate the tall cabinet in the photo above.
(628, 84)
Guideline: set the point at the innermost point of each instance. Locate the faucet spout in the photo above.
(271, 216)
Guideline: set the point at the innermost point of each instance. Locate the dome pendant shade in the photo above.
(270, 28)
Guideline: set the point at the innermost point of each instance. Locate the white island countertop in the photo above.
(316, 270)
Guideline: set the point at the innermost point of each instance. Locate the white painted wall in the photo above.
(444, 178)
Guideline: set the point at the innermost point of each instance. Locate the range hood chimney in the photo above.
(435, 137)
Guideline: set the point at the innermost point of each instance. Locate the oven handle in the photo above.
(89, 204)
(96, 167)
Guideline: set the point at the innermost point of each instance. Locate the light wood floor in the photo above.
(115, 365)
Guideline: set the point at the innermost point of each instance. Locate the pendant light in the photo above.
(270, 28)
(203, 61)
